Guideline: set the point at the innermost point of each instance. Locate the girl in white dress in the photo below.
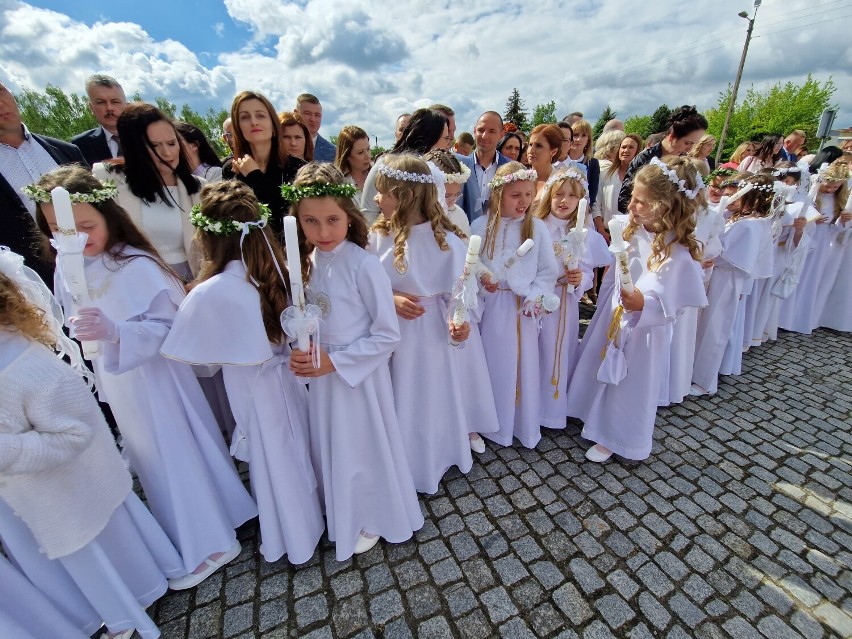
(520, 292)
(558, 339)
(169, 433)
(231, 319)
(617, 397)
(422, 254)
(356, 448)
(68, 514)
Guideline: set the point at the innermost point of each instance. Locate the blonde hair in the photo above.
(580, 127)
(739, 153)
(704, 139)
(18, 315)
(608, 145)
(542, 209)
(325, 173)
(674, 211)
(495, 204)
(416, 199)
(838, 171)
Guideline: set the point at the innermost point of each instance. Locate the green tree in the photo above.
(660, 119)
(544, 114)
(55, 114)
(211, 125)
(640, 124)
(607, 115)
(516, 111)
(777, 108)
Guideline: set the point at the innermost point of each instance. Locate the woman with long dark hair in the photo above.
(260, 155)
(155, 184)
(766, 155)
(202, 158)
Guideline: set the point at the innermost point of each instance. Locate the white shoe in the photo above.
(696, 391)
(233, 552)
(122, 635)
(193, 579)
(477, 445)
(365, 543)
(596, 455)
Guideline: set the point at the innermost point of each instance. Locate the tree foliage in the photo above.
(660, 119)
(60, 115)
(516, 111)
(607, 115)
(777, 108)
(544, 114)
(640, 124)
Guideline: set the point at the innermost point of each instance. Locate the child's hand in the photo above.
(634, 301)
(302, 363)
(407, 306)
(821, 220)
(92, 325)
(845, 217)
(459, 333)
(574, 277)
(487, 283)
(708, 263)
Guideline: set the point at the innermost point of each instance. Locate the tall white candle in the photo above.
(294, 263)
(460, 313)
(66, 234)
(581, 213)
(619, 247)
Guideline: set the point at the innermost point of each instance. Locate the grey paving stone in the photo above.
(237, 619)
(422, 601)
(386, 606)
(310, 610)
(271, 614)
(614, 610)
(569, 600)
(349, 616)
(653, 611)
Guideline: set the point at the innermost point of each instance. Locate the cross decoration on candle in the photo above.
(69, 258)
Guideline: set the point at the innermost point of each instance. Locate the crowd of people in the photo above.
(351, 329)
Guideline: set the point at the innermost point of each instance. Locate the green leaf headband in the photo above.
(40, 195)
(227, 227)
(293, 193)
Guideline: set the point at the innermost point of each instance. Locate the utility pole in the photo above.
(733, 101)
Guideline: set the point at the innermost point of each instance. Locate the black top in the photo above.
(93, 145)
(18, 230)
(267, 186)
(638, 162)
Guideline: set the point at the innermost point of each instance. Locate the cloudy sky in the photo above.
(370, 60)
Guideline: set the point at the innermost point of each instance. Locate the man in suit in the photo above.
(106, 101)
(24, 158)
(483, 163)
(792, 143)
(310, 110)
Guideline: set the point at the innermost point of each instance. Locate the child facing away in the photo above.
(455, 175)
(69, 518)
(519, 293)
(356, 447)
(625, 350)
(747, 241)
(231, 319)
(578, 251)
(422, 254)
(169, 433)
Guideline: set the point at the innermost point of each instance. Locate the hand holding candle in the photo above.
(294, 266)
(619, 248)
(69, 249)
(467, 283)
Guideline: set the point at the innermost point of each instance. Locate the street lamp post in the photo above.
(733, 101)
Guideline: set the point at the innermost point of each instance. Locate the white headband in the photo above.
(671, 174)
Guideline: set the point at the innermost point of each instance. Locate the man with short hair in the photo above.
(309, 108)
(228, 135)
(571, 118)
(567, 140)
(483, 163)
(792, 143)
(401, 123)
(613, 125)
(24, 158)
(107, 102)
(464, 143)
(448, 113)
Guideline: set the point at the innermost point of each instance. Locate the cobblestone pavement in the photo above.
(738, 525)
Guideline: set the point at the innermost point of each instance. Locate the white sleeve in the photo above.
(141, 337)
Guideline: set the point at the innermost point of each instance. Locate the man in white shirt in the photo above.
(310, 110)
(107, 102)
(483, 163)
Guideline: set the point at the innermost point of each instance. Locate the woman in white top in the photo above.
(201, 155)
(156, 185)
(611, 177)
(353, 157)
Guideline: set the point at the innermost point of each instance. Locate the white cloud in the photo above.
(369, 60)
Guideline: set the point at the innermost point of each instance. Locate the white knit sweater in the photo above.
(59, 468)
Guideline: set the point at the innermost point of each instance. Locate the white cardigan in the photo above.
(133, 205)
(60, 470)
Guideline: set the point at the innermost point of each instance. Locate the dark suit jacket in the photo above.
(470, 190)
(18, 230)
(93, 145)
(324, 151)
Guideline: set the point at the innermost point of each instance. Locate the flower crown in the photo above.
(766, 188)
(564, 174)
(521, 175)
(42, 196)
(227, 227)
(457, 178)
(837, 171)
(294, 193)
(721, 171)
(671, 174)
(405, 176)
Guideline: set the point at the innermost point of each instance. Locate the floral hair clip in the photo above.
(294, 193)
(404, 176)
(457, 178)
(671, 174)
(40, 195)
(564, 174)
(227, 227)
(521, 175)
